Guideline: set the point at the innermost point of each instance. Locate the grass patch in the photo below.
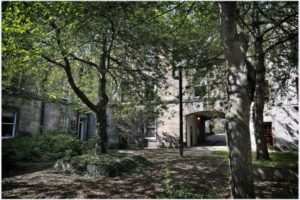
(278, 159)
(109, 165)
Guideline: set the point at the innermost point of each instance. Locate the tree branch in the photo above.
(67, 68)
(188, 12)
(169, 10)
(53, 61)
(111, 43)
(85, 61)
(272, 19)
(280, 42)
(278, 24)
(245, 24)
(77, 91)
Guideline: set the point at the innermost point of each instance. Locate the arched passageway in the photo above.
(205, 128)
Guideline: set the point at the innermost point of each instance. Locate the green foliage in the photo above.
(218, 129)
(132, 118)
(89, 146)
(103, 165)
(278, 159)
(274, 25)
(41, 147)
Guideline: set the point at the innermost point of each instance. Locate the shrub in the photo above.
(89, 146)
(40, 147)
(102, 166)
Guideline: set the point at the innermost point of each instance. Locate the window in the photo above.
(268, 133)
(9, 119)
(73, 125)
(64, 123)
(150, 129)
(150, 91)
(296, 108)
(200, 91)
(82, 128)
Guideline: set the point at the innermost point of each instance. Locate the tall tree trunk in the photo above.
(237, 117)
(101, 144)
(262, 153)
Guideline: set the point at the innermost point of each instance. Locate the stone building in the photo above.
(28, 116)
(280, 116)
(23, 116)
(203, 120)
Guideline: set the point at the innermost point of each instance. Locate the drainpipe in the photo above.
(42, 114)
(180, 113)
(77, 124)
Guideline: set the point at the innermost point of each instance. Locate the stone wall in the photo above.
(57, 117)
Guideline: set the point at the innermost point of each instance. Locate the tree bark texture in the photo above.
(262, 153)
(101, 144)
(237, 117)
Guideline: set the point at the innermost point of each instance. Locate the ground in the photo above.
(199, 171)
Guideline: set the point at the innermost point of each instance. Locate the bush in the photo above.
(102, 166)
(40, 147)
(89, 145)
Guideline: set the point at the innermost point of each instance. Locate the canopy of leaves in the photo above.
(277, 26)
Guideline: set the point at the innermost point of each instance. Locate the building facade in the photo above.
(202, 119)
(23, 116)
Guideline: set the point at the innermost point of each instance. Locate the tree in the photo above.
(273, 30)
(132, 120)
(237, 116)
(100, 40)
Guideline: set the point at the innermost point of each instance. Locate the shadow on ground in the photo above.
(199, 170)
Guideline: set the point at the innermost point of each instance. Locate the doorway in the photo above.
(82, 128)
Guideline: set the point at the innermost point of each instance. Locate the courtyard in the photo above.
(177, 100)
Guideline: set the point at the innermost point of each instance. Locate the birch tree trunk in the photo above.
(237, 117)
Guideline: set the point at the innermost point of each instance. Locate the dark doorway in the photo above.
(191, 132)
(269, 133)
(82, 128)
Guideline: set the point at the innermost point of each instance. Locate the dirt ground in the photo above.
(198, 169)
